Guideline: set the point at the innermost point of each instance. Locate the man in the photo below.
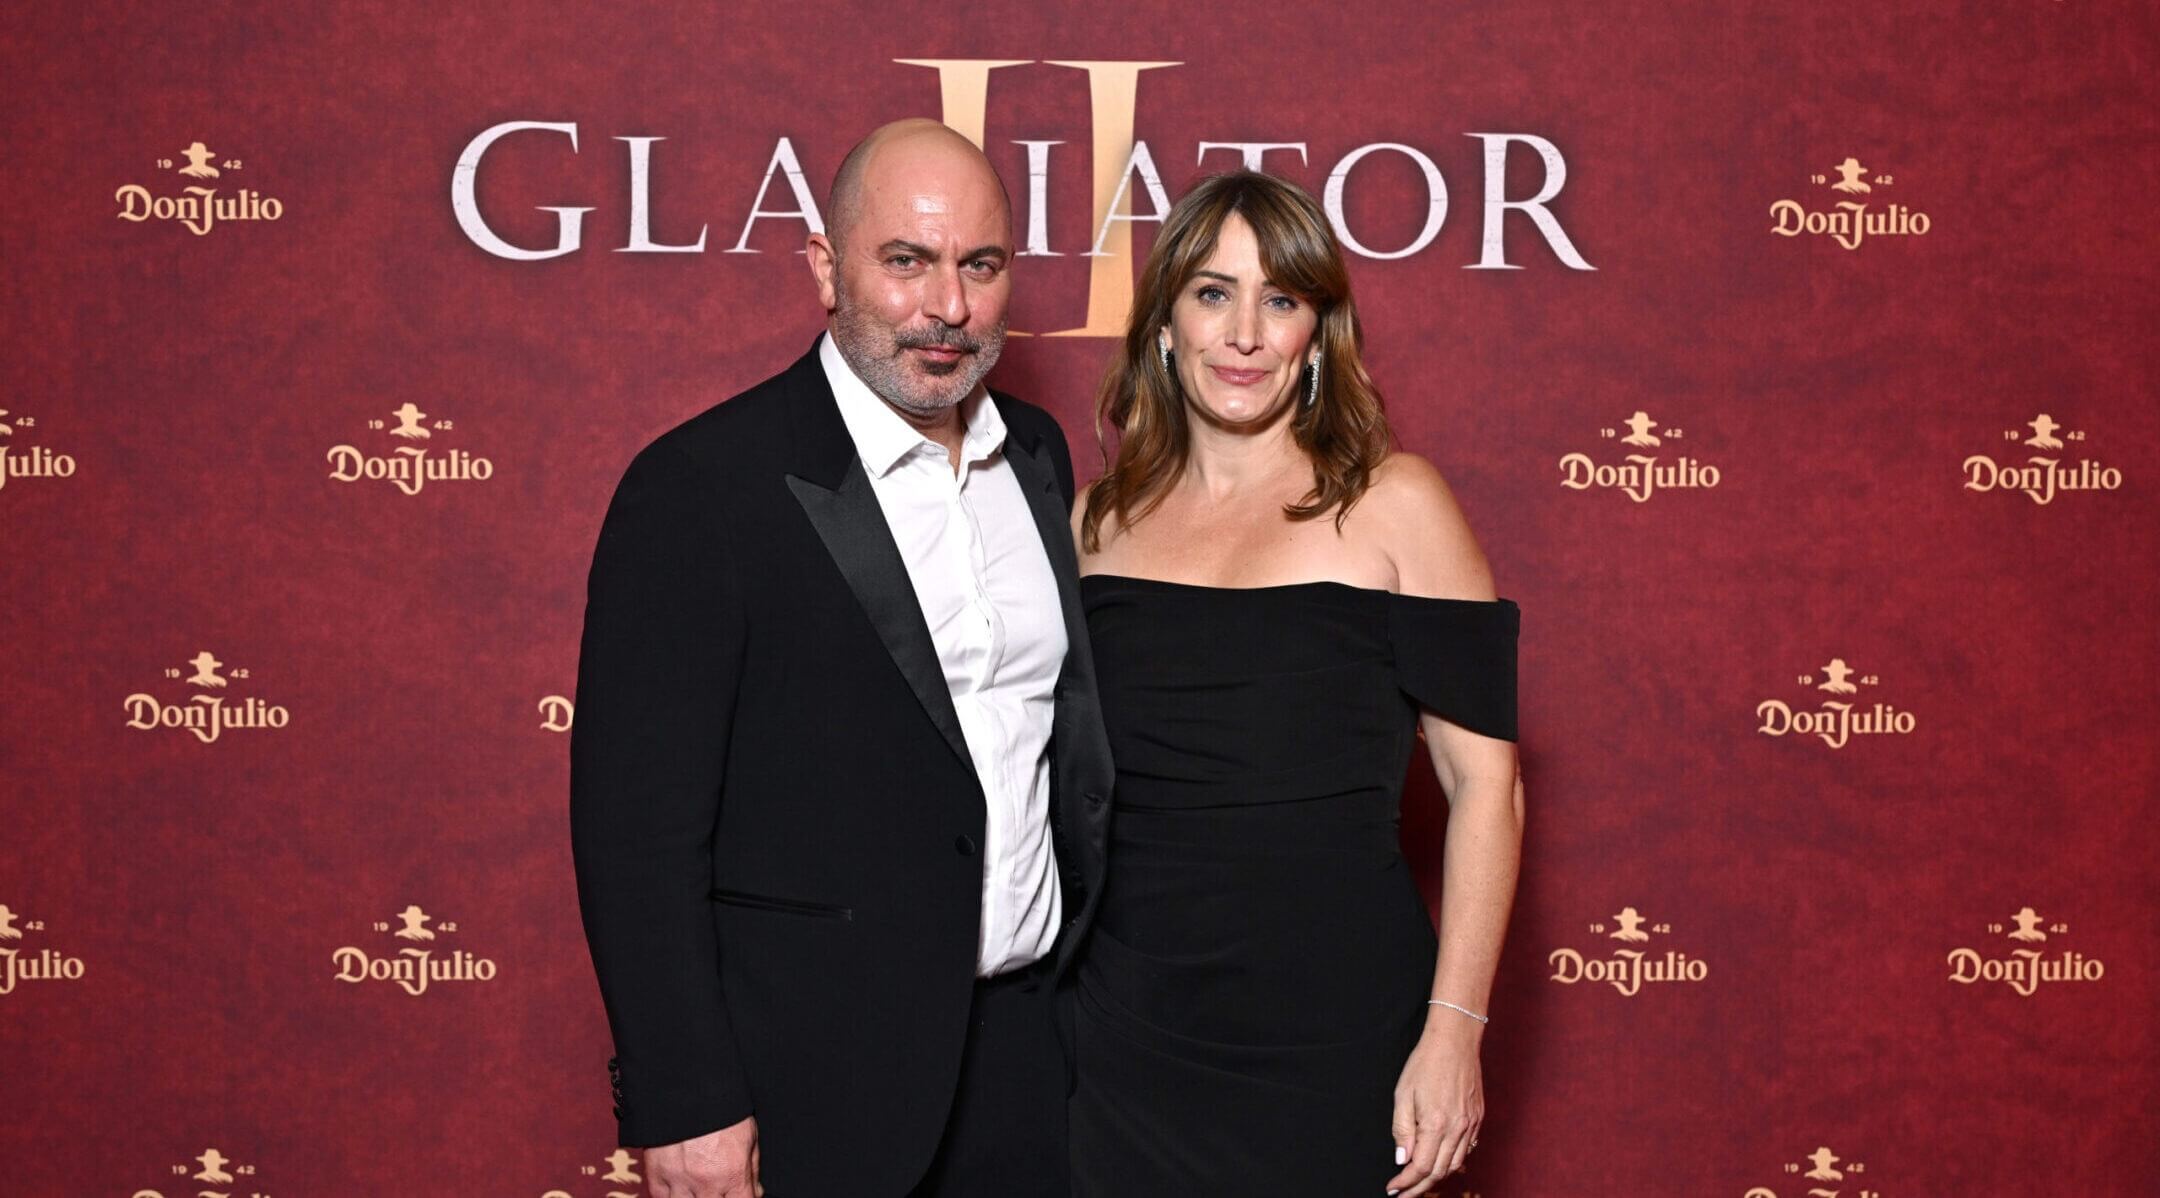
(839, 785)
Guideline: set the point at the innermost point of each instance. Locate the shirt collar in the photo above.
(882, 439)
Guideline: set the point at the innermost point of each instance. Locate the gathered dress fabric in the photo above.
(1258, 969)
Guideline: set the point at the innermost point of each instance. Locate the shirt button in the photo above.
(964, 844)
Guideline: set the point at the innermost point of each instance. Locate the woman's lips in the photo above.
(1238, 378)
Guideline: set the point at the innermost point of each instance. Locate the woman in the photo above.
(1278, 604)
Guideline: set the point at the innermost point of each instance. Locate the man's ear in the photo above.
(824, 260)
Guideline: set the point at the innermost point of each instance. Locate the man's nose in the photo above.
(945, 296)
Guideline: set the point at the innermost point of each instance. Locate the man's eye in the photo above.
(901, 260)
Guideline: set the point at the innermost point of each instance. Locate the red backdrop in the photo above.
(1890, 962)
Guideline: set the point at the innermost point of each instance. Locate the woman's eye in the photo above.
(1211, 293)
(1283, 303)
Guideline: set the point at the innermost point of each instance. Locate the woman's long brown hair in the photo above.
(1344, 432)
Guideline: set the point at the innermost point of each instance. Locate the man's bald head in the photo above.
(913, 266)
(902, 148)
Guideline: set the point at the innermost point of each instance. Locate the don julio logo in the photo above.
(556, 713)
(2027, 967)
(618, 1169)
(18, 964)
(413, 969)
(411, 466)
(1848, 222)
(18, 460)
(1818, 1167)
(210, 1168)
(206, 715)
(198, 208)
(1626, 969)
(1835, 720)
(2042, 476)
(1638, 475)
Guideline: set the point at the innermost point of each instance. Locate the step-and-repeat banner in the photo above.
(1794, 363)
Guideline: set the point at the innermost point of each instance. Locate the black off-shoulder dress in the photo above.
(1258, 970)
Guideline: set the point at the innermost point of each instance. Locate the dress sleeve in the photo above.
(1456, 657)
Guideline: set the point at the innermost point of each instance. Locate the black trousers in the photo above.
(1005, 1136)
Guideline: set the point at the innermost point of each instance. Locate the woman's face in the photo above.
(1240, 342)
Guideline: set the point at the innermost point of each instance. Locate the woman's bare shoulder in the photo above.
(1411, 516)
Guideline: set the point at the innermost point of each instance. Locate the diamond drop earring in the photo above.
(1312, 381)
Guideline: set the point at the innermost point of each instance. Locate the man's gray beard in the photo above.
(874, 357)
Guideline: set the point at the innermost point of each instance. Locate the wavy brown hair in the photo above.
(1345, 431)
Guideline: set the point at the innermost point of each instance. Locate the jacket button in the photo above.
(964, 844)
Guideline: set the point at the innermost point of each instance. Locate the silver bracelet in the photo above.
(1441, 1002)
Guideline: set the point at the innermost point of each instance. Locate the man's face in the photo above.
(919, 282)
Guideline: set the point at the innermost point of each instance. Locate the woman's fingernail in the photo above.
(1402, 1156)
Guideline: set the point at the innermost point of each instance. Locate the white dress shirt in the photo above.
(983, 580)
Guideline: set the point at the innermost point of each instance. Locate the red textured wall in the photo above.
(170, 489)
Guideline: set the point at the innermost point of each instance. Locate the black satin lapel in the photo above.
(853, 528)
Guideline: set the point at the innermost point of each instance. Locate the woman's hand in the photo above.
(1439, 1102)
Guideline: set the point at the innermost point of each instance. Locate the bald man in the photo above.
(838, 784)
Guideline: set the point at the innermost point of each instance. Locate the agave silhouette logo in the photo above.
(210, 1174)
(416, 454)
(1808, 1176)
(210, 710)
(212, 200)
(1853, 214)
(1658, 462)
(422, 961)
(1629, 959)
(1833, 719)
(2048, 469)
(619, 1169)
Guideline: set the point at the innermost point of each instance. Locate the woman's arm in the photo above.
(1439, 1099)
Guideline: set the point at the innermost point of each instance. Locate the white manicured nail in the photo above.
(1402, 1157)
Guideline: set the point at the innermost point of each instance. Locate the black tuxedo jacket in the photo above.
(776, 826)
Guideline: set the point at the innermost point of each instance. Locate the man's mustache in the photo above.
(942, 337)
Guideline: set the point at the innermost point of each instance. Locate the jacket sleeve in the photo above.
(657, 668)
